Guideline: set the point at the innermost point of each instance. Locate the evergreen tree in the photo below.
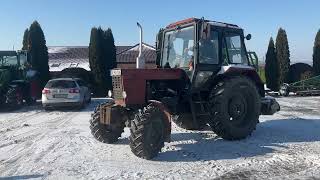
(110, 55)
(97, 61)
(283, 55)
(102, 58)
(110, 49)
(316, 54)
(272, 68)
(25, 42)
(38, 52)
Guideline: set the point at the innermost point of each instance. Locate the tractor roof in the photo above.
(191, 20)
(8, 53)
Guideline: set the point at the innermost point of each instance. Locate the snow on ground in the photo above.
(58, 145)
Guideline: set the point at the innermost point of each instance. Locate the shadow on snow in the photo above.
(270, 135)
(21, 177)
(38, 107)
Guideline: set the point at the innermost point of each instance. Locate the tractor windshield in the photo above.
(9, 60)
(178, 48)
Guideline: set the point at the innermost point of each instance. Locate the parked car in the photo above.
(65, 92)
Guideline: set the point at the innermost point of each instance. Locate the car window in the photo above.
(65, 84)
(80, 83)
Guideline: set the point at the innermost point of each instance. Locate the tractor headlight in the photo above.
(124, 94)
(109, 93)
(202, 77)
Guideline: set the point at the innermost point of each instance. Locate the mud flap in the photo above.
(166, 111)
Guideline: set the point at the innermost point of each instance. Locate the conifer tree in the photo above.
(272, 68)
(283, 56)
(25, 40)
(38, 52)
(316, 54)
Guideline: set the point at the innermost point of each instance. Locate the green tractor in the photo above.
(14, 88)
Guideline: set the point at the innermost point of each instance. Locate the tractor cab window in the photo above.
(209, 49)
(9, 60)
(179, 48)
(233, 49)
(23, 59)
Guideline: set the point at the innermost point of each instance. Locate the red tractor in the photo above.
(203, 78)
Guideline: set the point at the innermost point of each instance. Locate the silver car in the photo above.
(64, 92)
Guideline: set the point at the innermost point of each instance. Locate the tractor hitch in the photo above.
(269, 106)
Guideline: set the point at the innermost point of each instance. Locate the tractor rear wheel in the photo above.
(235, 108)
(105, 133)
(148, 132)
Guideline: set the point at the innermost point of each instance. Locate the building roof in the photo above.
(62, 57)
(130, 55)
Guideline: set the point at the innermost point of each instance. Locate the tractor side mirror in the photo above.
(248, 37)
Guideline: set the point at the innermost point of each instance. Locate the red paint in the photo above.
(45, 91)
(182, 22)
(134, 82)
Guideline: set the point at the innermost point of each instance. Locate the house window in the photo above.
(55, 65)
(73, 65)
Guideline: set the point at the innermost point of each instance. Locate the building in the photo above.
(62, 58)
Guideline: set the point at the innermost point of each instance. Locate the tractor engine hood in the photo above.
(129, 85)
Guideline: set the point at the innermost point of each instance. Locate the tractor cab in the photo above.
(11, 65)
(202, 48)
(13, 59)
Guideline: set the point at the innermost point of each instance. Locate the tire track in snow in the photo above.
(26, 150)
(278, 166)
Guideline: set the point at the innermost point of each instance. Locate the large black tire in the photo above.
(105, 133)
(13, 101)
(148, 132)
(235, 108)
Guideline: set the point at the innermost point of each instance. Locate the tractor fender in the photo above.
(166, 111)
(245, 71)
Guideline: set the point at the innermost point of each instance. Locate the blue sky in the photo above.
(67, 22)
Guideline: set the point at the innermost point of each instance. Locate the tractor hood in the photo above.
(129, 85)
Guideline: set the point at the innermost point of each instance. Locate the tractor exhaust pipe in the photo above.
(140, 60)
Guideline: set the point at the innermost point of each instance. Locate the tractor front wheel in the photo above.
(105, 133)
(148, 132)
(235, 108)
(14, 99)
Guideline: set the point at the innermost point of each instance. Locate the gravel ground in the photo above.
(35, 144)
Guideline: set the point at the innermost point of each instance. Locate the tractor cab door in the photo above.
(209, 55)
